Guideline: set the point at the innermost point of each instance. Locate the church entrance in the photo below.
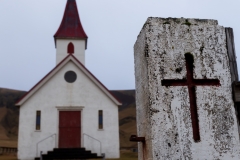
(69, 129)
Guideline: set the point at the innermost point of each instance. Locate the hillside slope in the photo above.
(127, 117)
(9, 115)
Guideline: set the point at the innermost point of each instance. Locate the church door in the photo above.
(69, 129)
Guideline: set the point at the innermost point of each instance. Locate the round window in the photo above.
(70, 76)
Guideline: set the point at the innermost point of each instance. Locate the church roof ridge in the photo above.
(51, 73)
(71, 26)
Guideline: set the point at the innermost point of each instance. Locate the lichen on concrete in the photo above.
(163, 113)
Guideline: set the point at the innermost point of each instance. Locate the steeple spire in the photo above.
(71, 27)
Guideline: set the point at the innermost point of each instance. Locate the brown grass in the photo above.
(8, 157)
(3, 112)
(8, 143)
(127, 155)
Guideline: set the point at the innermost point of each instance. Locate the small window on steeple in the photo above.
(70, 48)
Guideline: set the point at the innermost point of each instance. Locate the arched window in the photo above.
(70, 48)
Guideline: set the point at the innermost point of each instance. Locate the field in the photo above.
(8, 143)
(125, 155)
(8, 157)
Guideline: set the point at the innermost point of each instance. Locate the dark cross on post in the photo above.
(191, 83)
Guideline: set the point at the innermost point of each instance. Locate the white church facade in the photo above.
(69, 107)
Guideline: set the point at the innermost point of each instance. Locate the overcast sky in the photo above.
(27, 50)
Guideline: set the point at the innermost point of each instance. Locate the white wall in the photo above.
(58, 93)
(62, 46)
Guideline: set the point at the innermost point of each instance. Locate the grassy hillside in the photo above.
(127, 117)
(9, 115)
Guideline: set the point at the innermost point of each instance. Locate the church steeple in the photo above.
(71, 31)
(71, 26)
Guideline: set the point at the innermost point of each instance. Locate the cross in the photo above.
(190, 82)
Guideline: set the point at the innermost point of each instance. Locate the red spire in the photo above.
(71, 26)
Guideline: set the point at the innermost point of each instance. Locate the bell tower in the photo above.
(70, 37)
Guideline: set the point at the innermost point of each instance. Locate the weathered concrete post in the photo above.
(184, 99)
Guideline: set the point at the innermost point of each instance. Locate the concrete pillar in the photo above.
(181, 111)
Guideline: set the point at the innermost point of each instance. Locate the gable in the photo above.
(84, 79)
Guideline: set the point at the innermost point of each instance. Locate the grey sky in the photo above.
(27, 51)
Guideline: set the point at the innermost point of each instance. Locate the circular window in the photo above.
(70, 76)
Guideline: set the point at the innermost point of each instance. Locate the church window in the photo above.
(100, 119)
(70, 48)
(38, 120)
(70, 76)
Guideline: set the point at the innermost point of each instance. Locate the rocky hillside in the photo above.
(9, 115)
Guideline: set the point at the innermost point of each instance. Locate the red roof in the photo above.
(71, 26)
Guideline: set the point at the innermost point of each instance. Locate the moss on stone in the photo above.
(166, 23)
(187, 23)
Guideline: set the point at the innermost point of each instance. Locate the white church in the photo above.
(69, 109)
